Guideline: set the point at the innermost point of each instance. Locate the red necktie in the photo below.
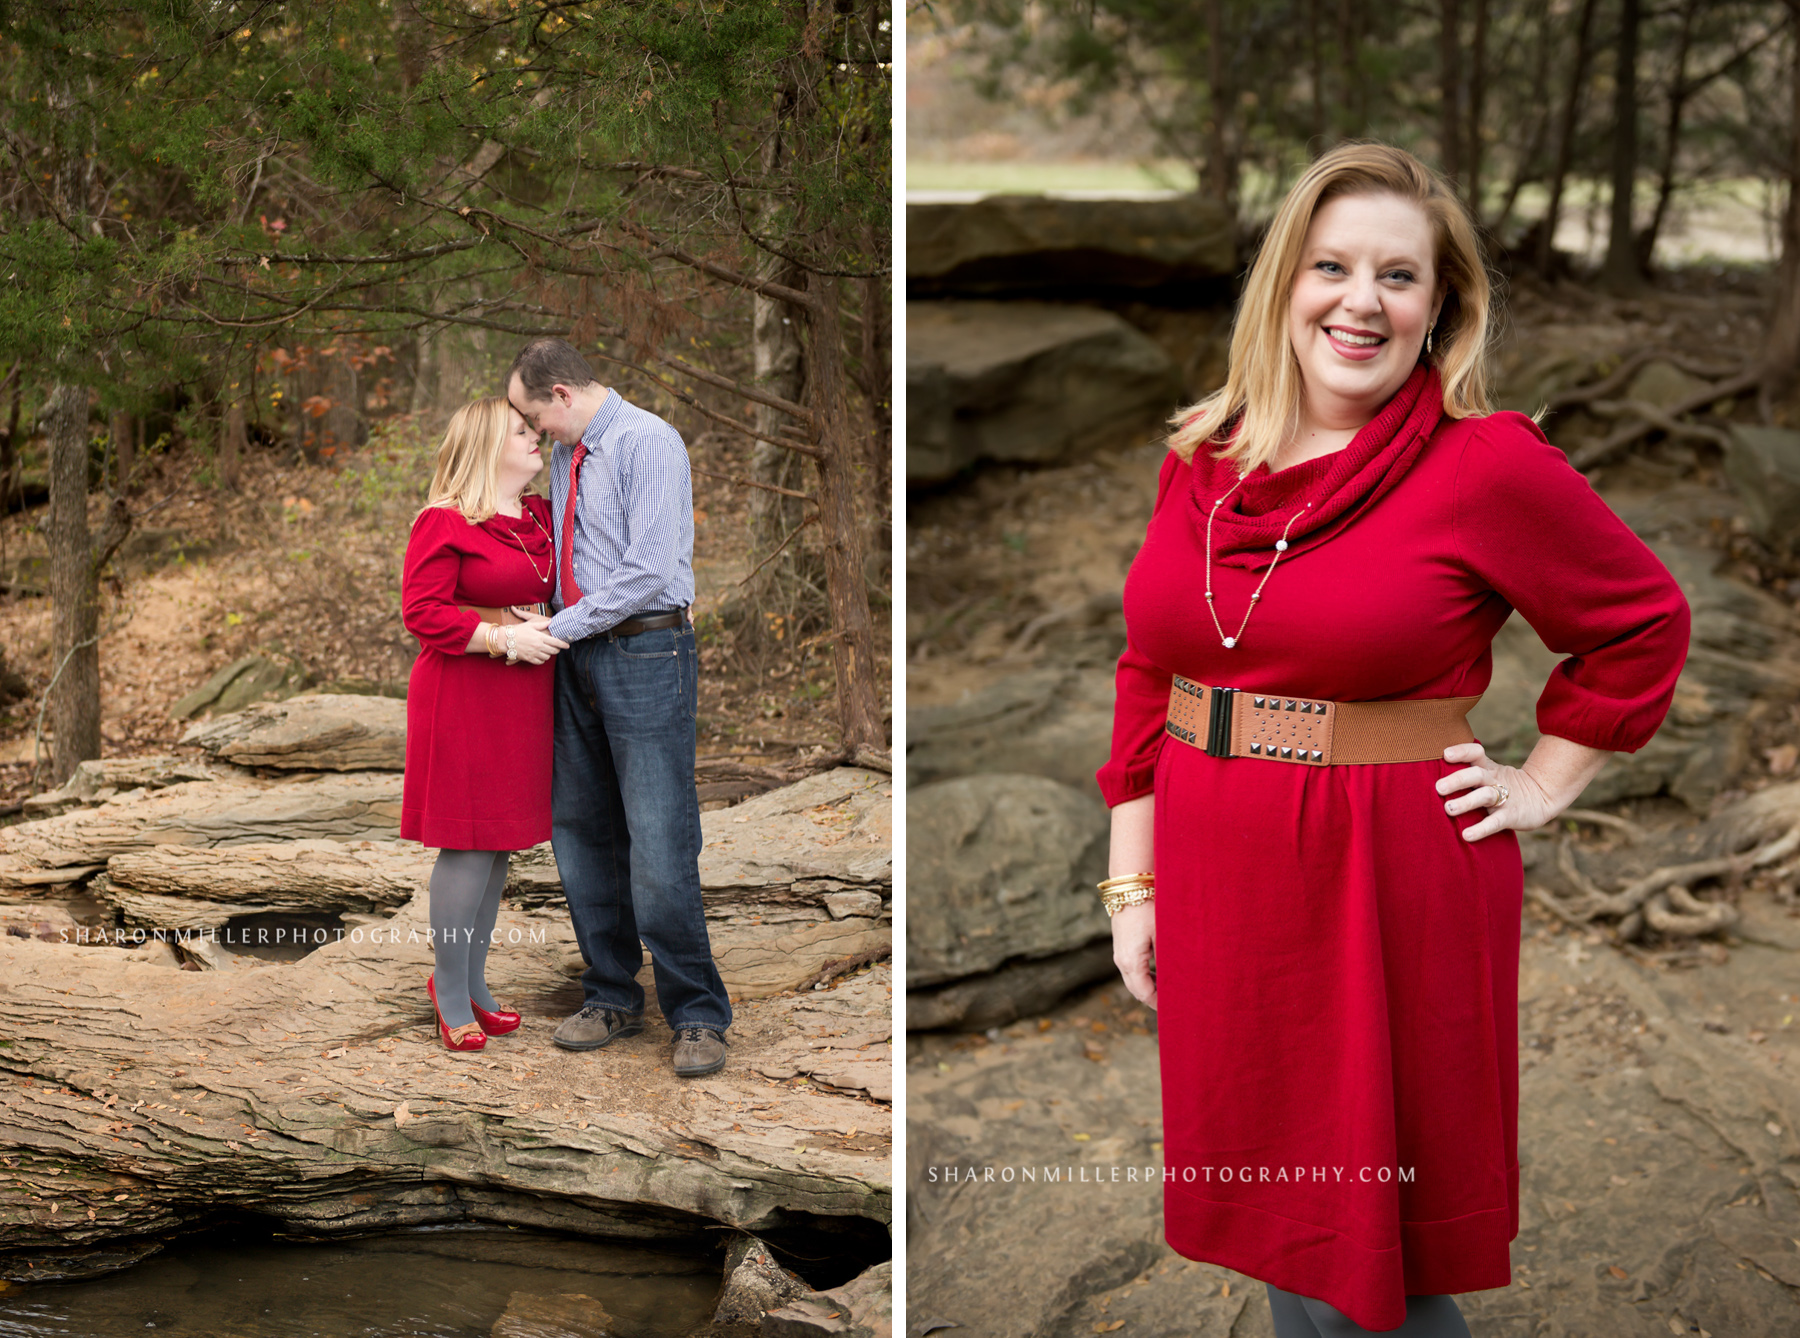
(570, 591)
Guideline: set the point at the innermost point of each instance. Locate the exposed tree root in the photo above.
(1662, 899)
(1639, 418)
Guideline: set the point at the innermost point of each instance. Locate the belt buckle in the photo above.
(1218, 725)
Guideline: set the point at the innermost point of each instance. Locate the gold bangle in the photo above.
(1129, 889)
(1118, 901)
(488, 639)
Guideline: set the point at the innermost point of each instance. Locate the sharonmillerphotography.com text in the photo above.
(1189, 1175)
(282, 936)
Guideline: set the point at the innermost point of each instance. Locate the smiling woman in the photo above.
(1364, 246)
(1313, 872)
(1364, 301)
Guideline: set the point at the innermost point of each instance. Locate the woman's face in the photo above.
(520, 458)
(1363, 297)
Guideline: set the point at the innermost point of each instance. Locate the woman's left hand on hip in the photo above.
(1511, 796)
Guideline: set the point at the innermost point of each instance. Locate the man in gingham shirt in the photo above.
(625, 819)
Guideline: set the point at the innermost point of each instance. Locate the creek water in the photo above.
(434, 1283)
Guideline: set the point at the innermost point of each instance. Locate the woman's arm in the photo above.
(428, 605)
(1134, 928)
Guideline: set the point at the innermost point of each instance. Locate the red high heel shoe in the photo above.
(470, 1041)
(495, 1024)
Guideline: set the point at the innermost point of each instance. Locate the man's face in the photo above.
(555, 415)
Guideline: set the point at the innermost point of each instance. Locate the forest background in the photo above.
(256, 253)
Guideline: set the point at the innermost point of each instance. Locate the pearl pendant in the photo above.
(1230, 641)
(1281, 545)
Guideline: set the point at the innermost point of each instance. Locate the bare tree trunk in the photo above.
(1620, 275)
(74, 591)
(877, 360)
(234, 440)
(1221, 152)
(123, 433)
(9, 453)
(1316, 59)
(853, 643)
(76, 557)
(1565, 140)
(1527, 165)
(1477, 104)
(780, 368)
(775, 348)
(1679, 93)
(412, 37)
(1781, 356)
(1450, 159)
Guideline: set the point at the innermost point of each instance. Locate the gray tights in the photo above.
(1304, 1317)
(465, 901)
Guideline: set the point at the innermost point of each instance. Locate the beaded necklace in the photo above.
(1281, 546)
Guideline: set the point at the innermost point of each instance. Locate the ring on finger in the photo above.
(1501, 794)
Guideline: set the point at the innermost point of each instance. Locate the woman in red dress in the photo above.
(1331, 939)
(478, 707)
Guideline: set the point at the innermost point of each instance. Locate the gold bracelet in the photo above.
(1118, 901)
(488, 639)
(1129, 889)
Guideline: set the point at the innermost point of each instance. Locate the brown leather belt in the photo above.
(1233, 722)
(632, 626)
(504, 617)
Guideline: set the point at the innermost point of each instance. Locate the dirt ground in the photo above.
(304, 564)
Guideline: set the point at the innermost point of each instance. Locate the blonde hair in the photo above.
(468, 460)
(1263, 384)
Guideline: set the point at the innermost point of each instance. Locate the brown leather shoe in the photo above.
(698, 1050)
(594, 1027)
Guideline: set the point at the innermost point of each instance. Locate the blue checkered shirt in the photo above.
(634, 522)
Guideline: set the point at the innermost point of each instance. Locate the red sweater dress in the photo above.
(1337, 969)
(477, 729)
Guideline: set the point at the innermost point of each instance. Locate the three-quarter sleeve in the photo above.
(428, 605)
(1528, 525)
(1140, 700)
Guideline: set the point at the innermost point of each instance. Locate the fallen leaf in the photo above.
(402, 1113)
(1617, 1272)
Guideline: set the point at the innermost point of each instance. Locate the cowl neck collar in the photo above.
(525, 530)
(1339, 486)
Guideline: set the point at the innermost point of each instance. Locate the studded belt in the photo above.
(1235, 722)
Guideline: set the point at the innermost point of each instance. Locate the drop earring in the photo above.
(1428, 339)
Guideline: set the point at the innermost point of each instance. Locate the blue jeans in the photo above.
(625, 823)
